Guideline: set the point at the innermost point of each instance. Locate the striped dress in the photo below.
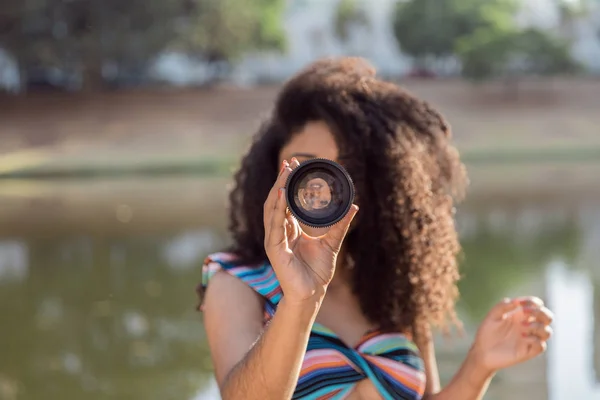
(331, 368)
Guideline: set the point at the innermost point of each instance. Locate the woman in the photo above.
(347, 312)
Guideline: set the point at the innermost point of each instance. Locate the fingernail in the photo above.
(294, 159)
(280, 193)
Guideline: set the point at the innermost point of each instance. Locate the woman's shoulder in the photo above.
(258, 276)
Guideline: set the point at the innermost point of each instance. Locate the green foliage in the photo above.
(571, 10)
(429, 29)
(348, 14)
(489, 53)
(483, 34)
(545, 54)
(425, 28)
(224, 29)
(85, 35)
(486, 53)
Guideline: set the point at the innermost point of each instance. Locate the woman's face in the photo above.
(315, 140)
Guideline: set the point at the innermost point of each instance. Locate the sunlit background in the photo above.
(121, 121)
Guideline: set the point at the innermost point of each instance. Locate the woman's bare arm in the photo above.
(256, 364)
(469, 383)
(250, 362)
(514, 331)
(427, 350)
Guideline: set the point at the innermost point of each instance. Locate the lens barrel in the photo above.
(319, 192)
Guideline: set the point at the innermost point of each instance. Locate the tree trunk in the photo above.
(22, 78)
(92, 78)
(93, 55)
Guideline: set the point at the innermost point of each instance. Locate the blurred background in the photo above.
(121, 122)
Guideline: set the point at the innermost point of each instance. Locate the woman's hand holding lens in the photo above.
(304, 265)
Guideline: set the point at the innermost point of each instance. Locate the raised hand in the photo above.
(514, 331)
(304, 265)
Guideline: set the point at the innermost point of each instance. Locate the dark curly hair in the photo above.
(402, 251)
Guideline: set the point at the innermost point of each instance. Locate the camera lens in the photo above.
(319, 192)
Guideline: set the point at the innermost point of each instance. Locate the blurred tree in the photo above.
(429, 29)
(86, 36)
(512, 54)
(570, 12)
(221, 30)
(486, 53)
(218, 36)
(348, 15)
(351, 17)
(91, 37)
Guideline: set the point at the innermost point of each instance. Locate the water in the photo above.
(97, 288)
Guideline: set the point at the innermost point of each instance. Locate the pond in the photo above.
(97, 285)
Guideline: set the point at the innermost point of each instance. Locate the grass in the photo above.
(39, 168)
(200, 167)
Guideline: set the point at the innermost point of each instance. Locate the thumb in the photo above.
(335, 236)
(502, 308)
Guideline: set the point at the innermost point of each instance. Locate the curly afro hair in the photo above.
(402, 252)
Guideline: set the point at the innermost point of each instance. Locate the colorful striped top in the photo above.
(331, 368)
